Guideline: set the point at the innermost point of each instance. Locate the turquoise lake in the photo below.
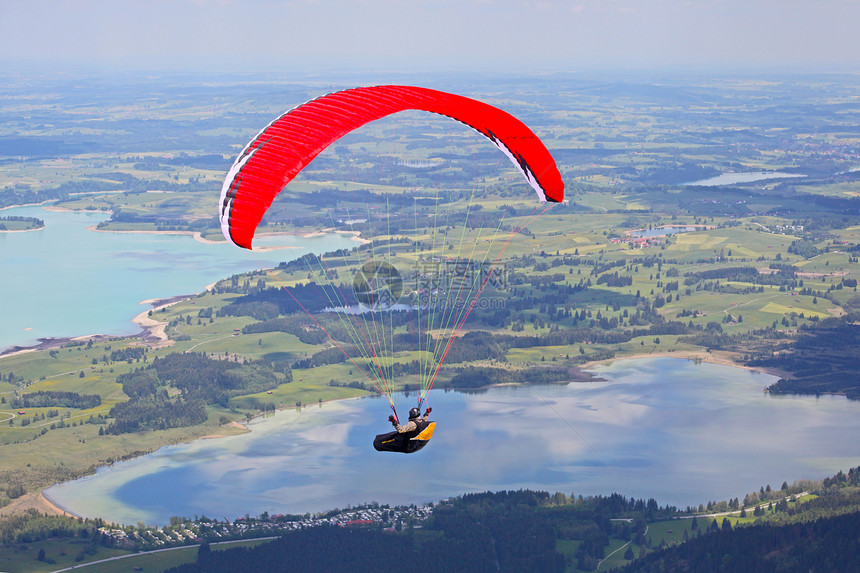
(66, 281)
(681, 432)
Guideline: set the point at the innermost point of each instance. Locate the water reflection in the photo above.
(681, 432)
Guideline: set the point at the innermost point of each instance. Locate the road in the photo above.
(599, 563)
(748, 509)
(713, 515)
(82, 565)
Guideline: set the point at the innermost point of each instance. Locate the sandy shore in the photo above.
(51, 507)
(29, 205)
(42, 228)
(356, 236)
(154, 331)
(37, 501)
(237, 425)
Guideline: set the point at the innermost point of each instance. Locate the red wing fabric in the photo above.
(279, 152)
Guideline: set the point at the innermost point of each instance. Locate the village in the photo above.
(182, 531)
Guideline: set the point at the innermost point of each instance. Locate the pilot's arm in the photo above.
(409, 427)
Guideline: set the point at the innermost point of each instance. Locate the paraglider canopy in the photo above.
(428, 253)
(281, 150)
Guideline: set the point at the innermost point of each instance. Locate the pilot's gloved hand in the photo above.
(392, 420)
(427, 413)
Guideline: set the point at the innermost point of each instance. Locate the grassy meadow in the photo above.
(156, 163)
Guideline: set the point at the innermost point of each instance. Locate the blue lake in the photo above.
(661, 231)
(681, 432)
(66, 280)
(748, 177)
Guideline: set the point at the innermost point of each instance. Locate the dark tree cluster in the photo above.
(823, 360)
(615, 280)
(33, 221)
(826, 544)
(511, 539)
(289, 300)
(213, 380)
(128, 354)
(47, 399)
(507, 531)
(344, 549)
(781, 275)
(336, 355)
(201, 379)
(299, 325)
(32, 526)
(481, 376)
(155, 413)
(24, 194)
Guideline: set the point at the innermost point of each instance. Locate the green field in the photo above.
(624, 155)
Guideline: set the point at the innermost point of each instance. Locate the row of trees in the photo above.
(46, 399)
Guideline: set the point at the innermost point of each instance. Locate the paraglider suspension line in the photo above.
(474, 300)
(345, 353)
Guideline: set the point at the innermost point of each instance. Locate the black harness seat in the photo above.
(406, 442)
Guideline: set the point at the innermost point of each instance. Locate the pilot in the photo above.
(415, 421)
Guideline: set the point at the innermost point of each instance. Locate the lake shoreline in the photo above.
(52, 343)
(198, 235)
(724, 359)
(37, 501)
(42, 228)
(578, 404)
(152, 332)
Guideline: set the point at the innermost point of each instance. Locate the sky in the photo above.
(512, 35)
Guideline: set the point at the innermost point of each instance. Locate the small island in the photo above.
(16, 223)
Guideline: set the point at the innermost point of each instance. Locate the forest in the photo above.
(801, 538)
(823, 359)
(519, 531)
(44, 399)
